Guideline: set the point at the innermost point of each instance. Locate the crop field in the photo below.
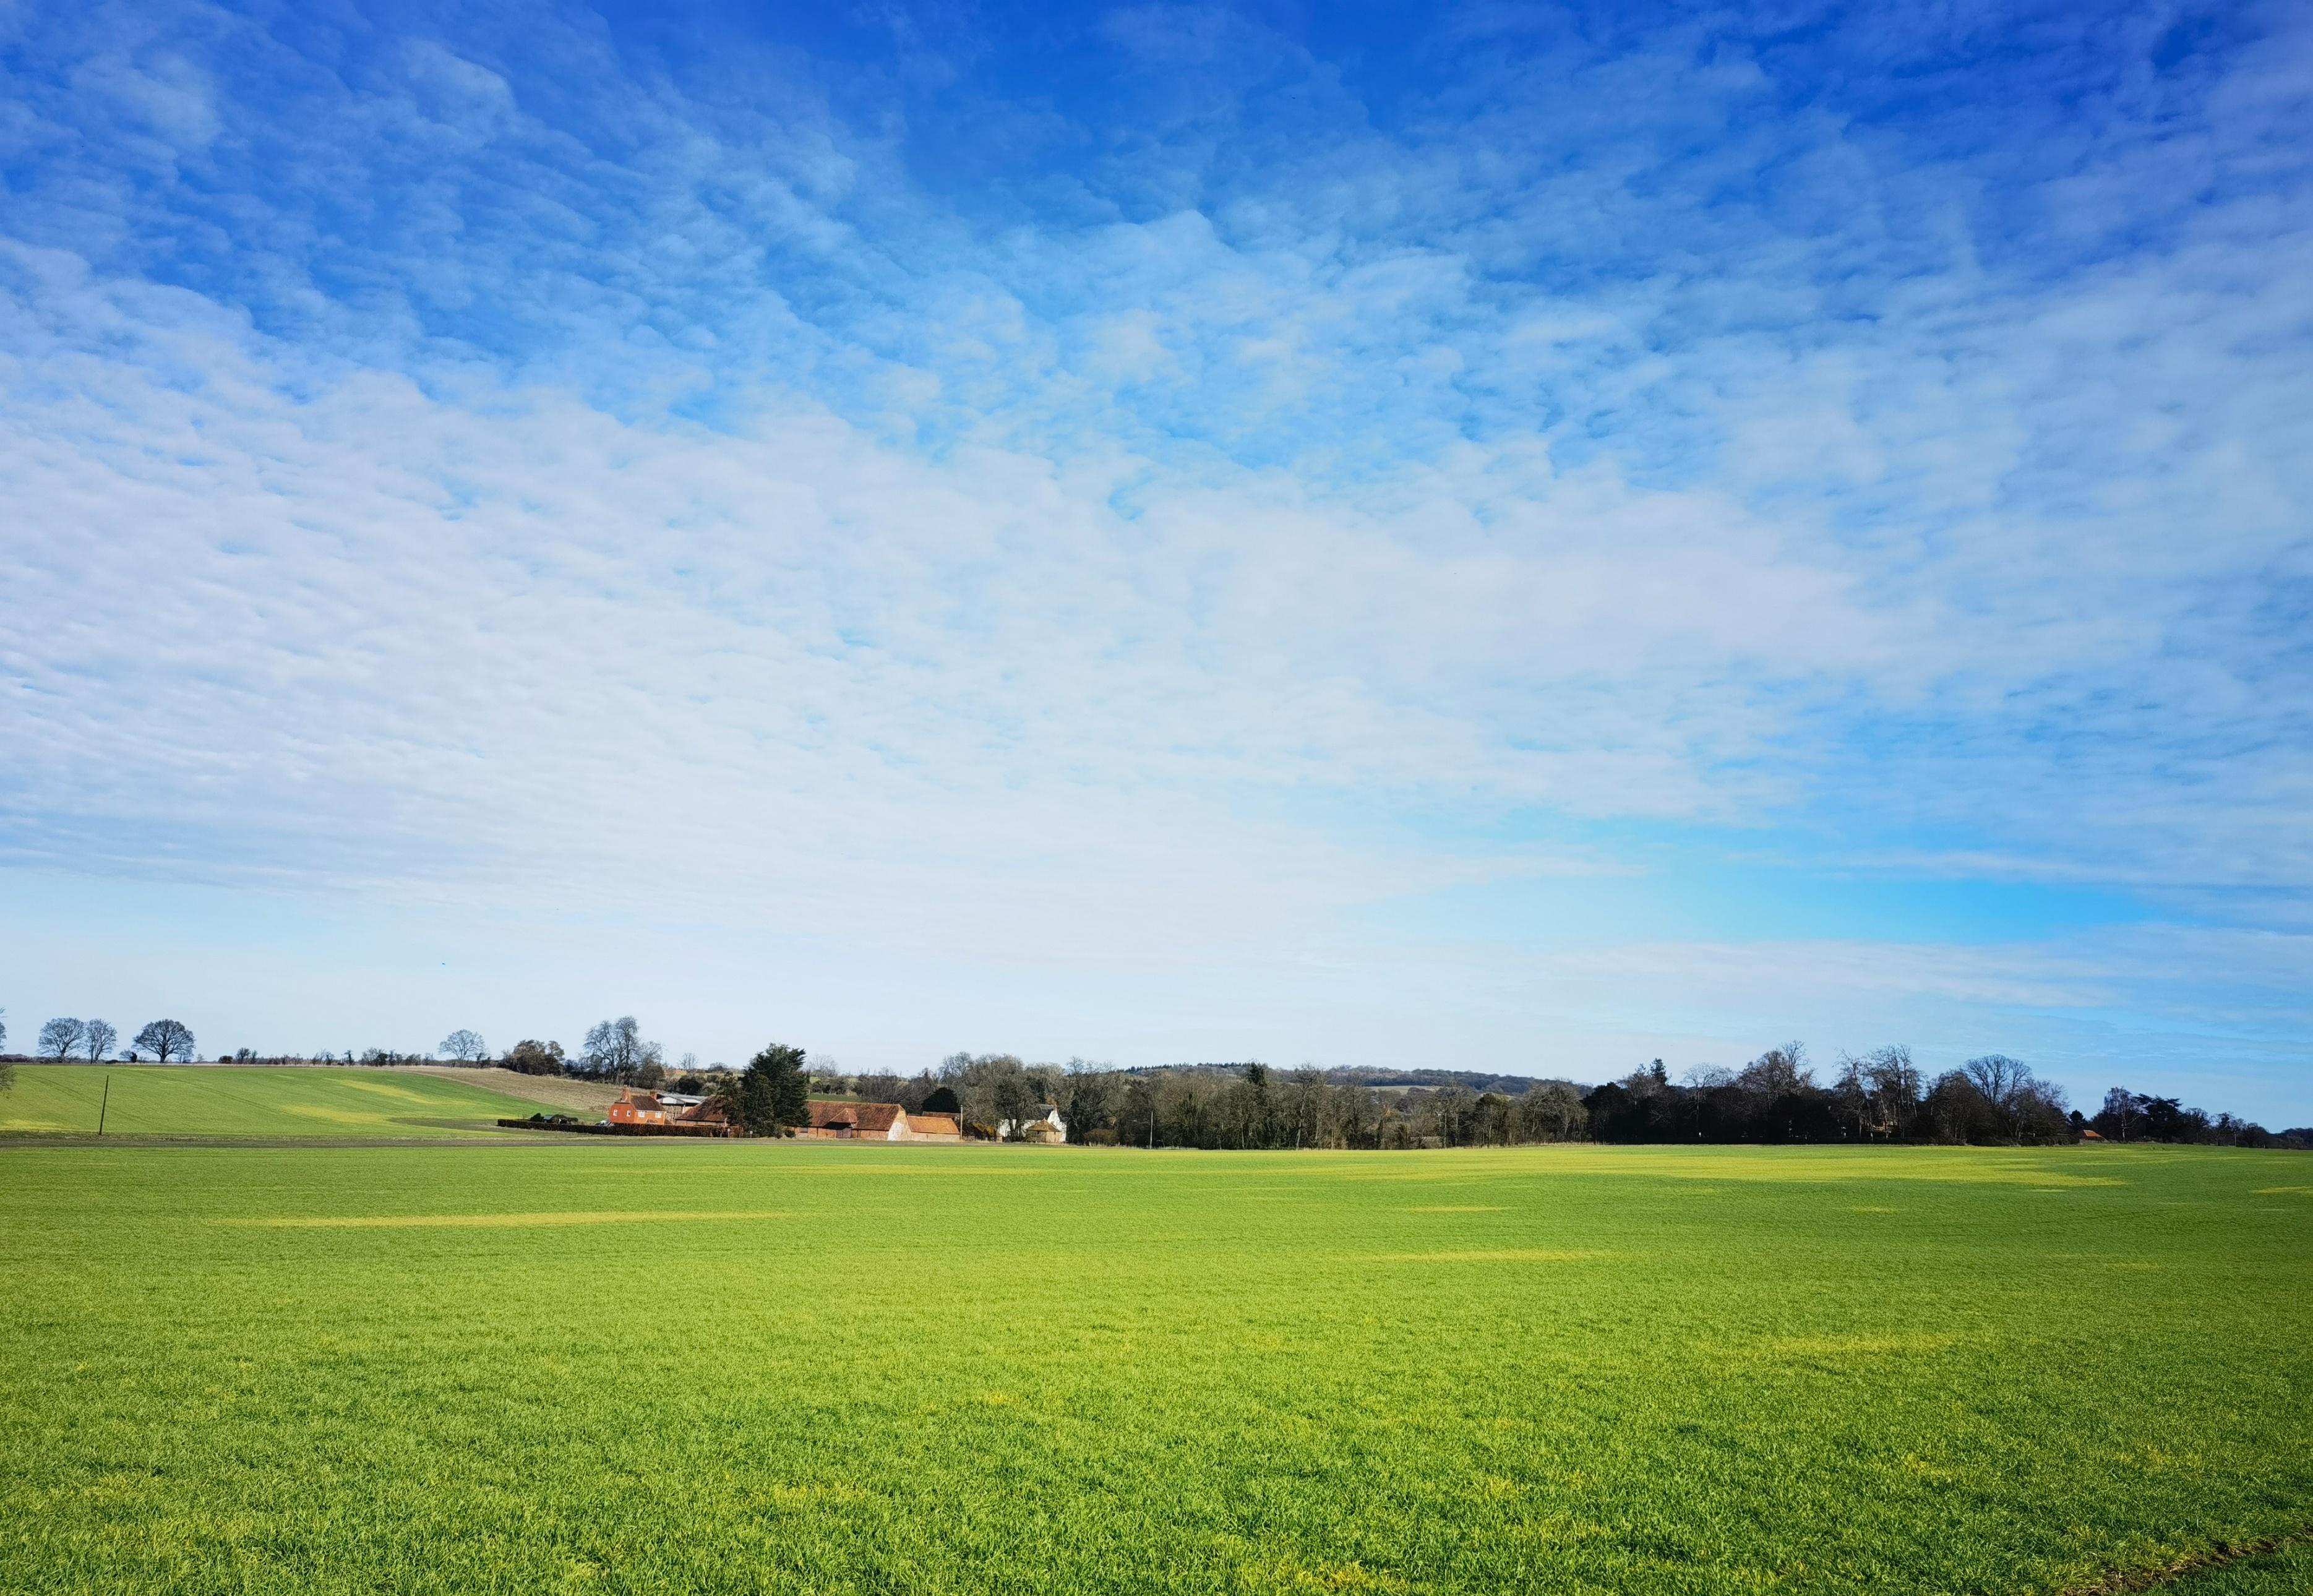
(722, 1367)
(225, 1101)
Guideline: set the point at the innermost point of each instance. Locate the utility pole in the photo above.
(105, 1104)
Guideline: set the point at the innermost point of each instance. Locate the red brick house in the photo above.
(638, 1108)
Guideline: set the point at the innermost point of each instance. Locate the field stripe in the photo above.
(493, 1221)
(1495, 1255)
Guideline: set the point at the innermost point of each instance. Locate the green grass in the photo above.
(223, 1100)
(712, 1367)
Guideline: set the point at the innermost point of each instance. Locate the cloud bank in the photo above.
(1168, 510)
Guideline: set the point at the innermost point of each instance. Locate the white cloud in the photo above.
(629, 494)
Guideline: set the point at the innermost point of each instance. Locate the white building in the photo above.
(1046, 1125)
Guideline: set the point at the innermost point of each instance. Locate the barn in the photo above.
(879, 1122)
(866, 1122)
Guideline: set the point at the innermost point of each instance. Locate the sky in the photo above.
(1513, 538)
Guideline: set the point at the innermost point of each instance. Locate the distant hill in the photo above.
(1475, 1080)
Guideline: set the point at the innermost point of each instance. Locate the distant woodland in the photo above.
(1779, 1096)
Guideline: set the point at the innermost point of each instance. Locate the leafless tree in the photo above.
(97, 1039)
(1551, 1111)
(615, 1048)
(2002, 1081)
(1778, 1071)
(60, 1037)
(464, 1045)
(1881, 1090)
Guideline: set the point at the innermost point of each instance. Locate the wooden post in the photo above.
(104, 1107)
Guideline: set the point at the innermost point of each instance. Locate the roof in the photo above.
(864, 1117)
(709, 1112)
(935, 1125)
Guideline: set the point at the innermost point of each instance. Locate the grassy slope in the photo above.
(953, 1369)
(562, 1094)
(220, 1100)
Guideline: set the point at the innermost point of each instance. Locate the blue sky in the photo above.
(1520, 537)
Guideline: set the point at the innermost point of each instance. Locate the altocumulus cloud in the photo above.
(1150, 493)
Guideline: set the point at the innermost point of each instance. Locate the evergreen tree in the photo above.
(775, 1094)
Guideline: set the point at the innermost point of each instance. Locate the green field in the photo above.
(224, 1101)
(762, 1367)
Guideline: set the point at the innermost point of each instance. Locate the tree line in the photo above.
(1879, 1096)
(1882, 1096)
(164, 1041)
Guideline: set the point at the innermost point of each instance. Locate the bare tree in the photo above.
(60, 1037)
(995, 1090)
(878, 1086)
(1778, 1071)
(1881, 1089)
(97, 1039)
(1551, 1111)
(165, 1039)
(465, 1046)
(2003, 1081)
(615, 1048)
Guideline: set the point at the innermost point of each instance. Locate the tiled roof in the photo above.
(868, 1119)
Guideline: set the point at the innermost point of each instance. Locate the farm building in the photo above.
(637, 1107)
(879, 1122)
(1046, 1125)
(706, 1111)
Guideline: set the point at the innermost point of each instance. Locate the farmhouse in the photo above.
(638, 1108)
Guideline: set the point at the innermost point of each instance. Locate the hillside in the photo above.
(224, 1100)
(560, 1093)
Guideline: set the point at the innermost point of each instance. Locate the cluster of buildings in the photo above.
(670, 1113)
